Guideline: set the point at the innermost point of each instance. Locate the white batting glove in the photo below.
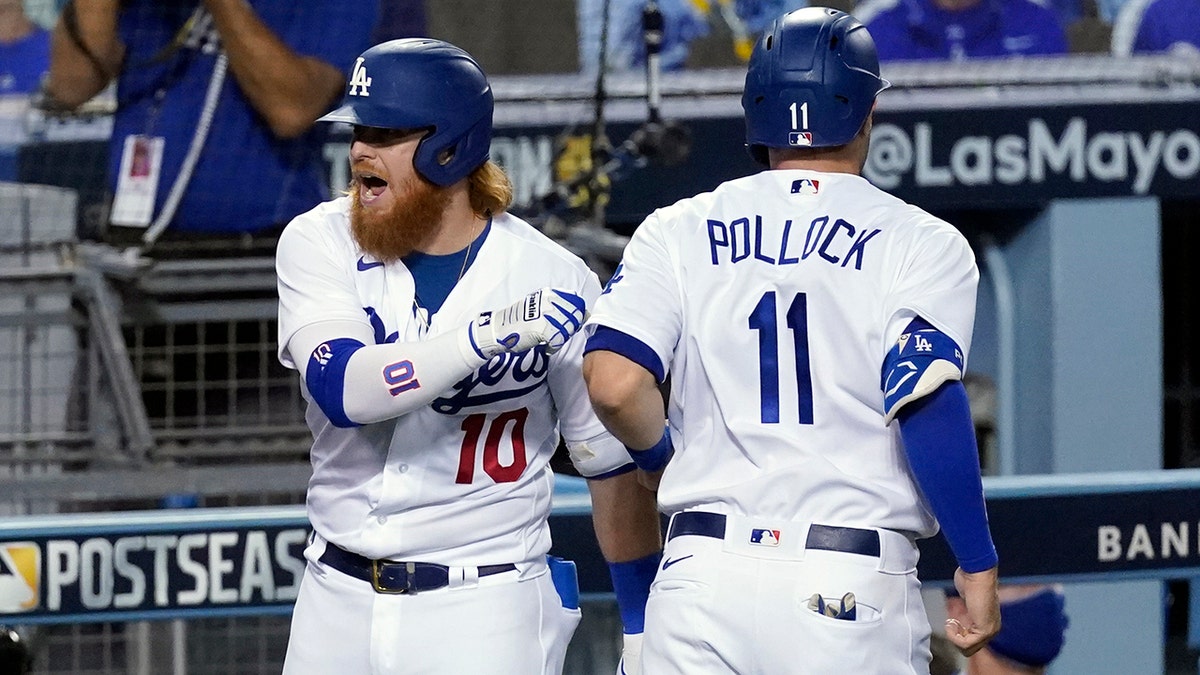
(631, 655)
(544, 317)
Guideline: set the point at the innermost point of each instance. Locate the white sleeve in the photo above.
(318, 303)
(313, 286)
(642, 300)
(388, 380)
(938, 282)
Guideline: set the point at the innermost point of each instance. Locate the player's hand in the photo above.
(631, 654)
(544, 317)
(982, 621)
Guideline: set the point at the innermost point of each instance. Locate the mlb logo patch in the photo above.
(764, 537)
(800, 138)
(20, 576)
(805, 186)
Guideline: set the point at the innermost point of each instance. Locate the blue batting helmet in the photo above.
(812, 80)
(420, 83)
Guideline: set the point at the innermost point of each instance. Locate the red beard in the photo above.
(414, 216)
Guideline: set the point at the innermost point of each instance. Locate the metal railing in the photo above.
(123, 378)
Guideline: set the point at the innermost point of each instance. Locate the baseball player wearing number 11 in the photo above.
(433, 336)
(815, 330)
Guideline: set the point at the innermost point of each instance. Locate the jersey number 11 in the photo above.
(763, 319)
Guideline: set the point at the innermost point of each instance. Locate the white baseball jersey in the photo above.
(772, 303)
(464, 480)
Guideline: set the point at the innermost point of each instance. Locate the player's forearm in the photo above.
(940, 443)
(389, 380)
(289, 90)
(630, 537)
(626, 398)
(85, 51)
(355, 382)
(625, 516)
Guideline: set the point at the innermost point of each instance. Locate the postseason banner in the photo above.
(223, 562)
(220, 567)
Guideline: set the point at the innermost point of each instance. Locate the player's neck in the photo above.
(459, 227)
(825, 165)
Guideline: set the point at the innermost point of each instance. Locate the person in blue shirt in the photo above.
(911, 30)
(24, 58)
(24, 50)
(1148, 26)
(684, 21)
(224, 91)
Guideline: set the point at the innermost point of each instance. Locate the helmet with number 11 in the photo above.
(812, 82)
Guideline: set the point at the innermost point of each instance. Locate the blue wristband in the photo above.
(654, 458)
(631, 584)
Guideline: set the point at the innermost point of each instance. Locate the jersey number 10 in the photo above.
(763, 319)
(474, 425)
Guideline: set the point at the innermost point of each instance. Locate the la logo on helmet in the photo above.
(359, 82)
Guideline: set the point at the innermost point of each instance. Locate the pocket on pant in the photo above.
(841, 646)
(867, 617)
(558, 636)
(876, 594)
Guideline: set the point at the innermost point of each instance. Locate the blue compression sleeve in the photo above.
(631, 584)
(939, 440)
(325, 378)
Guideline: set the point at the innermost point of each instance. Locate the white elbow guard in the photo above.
(597, 455)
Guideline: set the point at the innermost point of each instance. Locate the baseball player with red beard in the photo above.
(815, 330)
(435, 400)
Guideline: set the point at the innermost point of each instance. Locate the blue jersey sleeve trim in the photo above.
(613, 340)
(325, 378)
(939, 440)
(625, 468)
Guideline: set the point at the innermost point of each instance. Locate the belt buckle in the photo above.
(410, 569)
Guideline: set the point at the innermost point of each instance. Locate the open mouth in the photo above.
(370, 187)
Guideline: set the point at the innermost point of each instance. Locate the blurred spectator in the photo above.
(400, 19)
(1033, 627)
(222, 96)
(24, 58)
(1091, 32)
(684, 21)
(961, 29)
(1145, 26)
(24, 50)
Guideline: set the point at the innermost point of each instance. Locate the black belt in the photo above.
(394, 576)
(823, 537)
